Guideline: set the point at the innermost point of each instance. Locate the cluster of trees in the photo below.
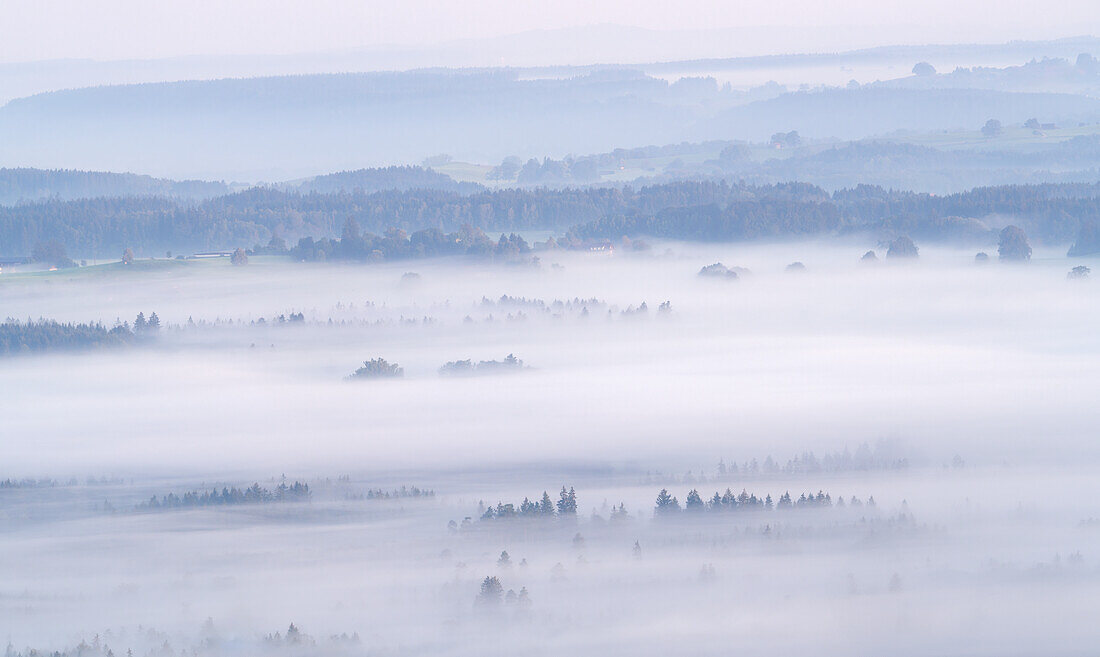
(1088, 239)
(378, 368)
(544, 507)
(729, 501)
(718, 270)
(902, 247)
(1053, 212)
(470, 368)
(30, 336)
(786, 139)
(399, 178)
(398, 493)
(53, 253)
(883, 456)
(254, 494)
(895, 165)
(444, 222)
(492, 595)
(395, 243)
(548, 172)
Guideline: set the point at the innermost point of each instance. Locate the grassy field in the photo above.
(1014, 138)
(147, 266)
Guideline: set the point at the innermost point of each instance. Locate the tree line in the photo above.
(543, 507)
(32, 336)
(254, 494)
(418, 222)
(667, 505)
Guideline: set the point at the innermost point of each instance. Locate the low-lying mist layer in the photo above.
(203, 485)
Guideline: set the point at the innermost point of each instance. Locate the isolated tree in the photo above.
(1013, 245)
(923, 69)
(1032, 123)
(992, 128)
(902, 247)
(504, 561)
(239, 257)
(127, 257)
(795, 268)
(981, 257)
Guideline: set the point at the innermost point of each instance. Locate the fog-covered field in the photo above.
(960, 397)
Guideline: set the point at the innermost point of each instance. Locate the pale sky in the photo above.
(138, 29)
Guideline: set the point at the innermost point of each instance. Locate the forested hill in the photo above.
(290, 126)
(712, 211)
(28, 185)
(400, 178)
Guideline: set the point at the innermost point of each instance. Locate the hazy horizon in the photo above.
(402, 329)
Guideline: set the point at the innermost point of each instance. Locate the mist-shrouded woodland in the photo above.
(474, 348)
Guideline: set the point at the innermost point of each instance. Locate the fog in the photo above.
(960, 397)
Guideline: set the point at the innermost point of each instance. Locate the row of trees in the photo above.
(666, 505)
(398, 493)
(470, 368)
(395, 244)
(433, 222)
(544, 507)
(254, 494)
(31, 336)
(728, 501)
(380, 368)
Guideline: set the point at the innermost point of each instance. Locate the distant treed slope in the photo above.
(1058, 75)
(381, 179)
(1053, 213)
(28, 185)
(866, 111)
(920, 168)
(288, 127)
(714, 211)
